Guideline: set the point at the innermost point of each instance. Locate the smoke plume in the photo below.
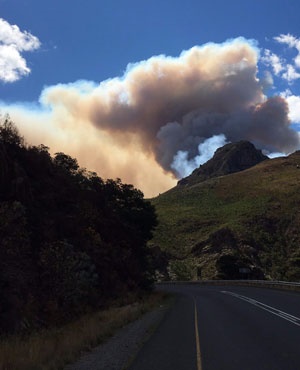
(183, 166)
(152, 125)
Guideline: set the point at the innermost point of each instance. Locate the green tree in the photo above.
(16, 270)
(66, 162)
(68, 278)
(9, 133)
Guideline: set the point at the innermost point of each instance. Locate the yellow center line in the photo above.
(199, 365)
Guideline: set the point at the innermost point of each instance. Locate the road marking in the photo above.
(286, 316)
(199, 366)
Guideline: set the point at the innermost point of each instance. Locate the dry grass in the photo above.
(53, 349)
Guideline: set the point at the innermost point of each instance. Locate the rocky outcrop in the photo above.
(233, 157)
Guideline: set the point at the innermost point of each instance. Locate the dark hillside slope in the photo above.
(246, 220)
(70, 242)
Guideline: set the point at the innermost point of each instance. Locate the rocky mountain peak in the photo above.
(230, 158)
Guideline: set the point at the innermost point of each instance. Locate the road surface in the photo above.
(225, 328)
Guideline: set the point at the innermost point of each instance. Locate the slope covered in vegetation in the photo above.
(69, 241)
(242, 223)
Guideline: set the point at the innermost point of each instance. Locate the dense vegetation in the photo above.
(242, 225)
(69, 241)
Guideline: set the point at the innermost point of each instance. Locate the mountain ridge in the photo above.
(249, 220)
(230, 158)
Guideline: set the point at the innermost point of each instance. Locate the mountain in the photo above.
(230, 158)
(240, 225)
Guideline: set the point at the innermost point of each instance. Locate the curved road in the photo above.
(225, 328)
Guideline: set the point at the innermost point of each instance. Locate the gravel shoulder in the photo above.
(118, 351)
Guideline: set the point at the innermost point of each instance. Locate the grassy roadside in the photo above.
(54, 348)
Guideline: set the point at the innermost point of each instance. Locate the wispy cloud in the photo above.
(287, 69)
(292, 42)
(282, 68)
(274, 61)
(290, 73)
(12, 43)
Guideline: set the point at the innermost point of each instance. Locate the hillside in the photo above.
(70, 242)
(247, 220)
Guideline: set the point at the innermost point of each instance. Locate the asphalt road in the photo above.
(225, 328)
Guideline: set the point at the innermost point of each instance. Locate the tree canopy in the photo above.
(69, 240)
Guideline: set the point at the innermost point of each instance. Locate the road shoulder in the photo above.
(118, 351)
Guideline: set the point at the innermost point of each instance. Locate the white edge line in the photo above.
(282, 314)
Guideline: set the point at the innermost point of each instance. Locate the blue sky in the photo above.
(95, 40)
(91, 40)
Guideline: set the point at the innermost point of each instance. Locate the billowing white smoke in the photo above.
(275, 155)
(184, 166)
(146, 126)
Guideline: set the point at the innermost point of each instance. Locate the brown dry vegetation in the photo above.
(53, 349)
